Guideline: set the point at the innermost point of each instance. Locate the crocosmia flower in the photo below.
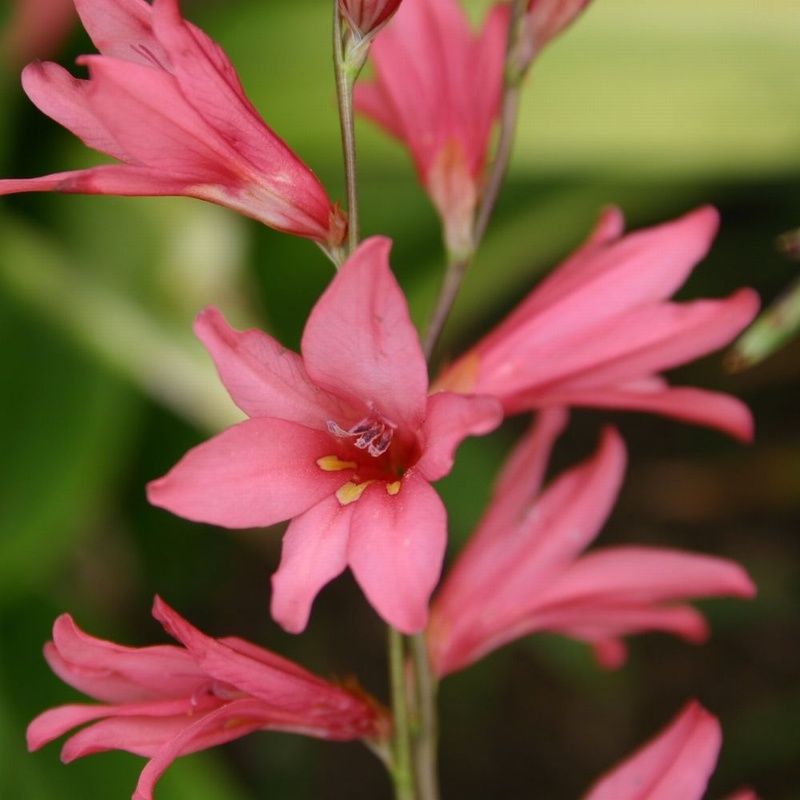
(675, 765)
(165, 701)
(164, 99)
(524, 570)
(438, 89)
(344, 441)
(599, 330)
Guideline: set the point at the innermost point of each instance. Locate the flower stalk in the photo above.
(402, 771)
(458, 263)
(347, 64)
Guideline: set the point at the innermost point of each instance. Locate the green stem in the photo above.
(453, 276)
(427, 730)
(509, 113)
(402, 770)
(346, 73)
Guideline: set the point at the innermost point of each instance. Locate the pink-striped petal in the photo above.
(255, 474)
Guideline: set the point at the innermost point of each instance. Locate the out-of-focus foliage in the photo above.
(656, 106)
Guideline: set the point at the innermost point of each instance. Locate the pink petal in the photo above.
(145, 112)
(107, 179)
(359, 342)
(520, 480)
(55, 722)
(697, 406)
(292, 690)
(634, 575)
(489, 596)
(598, 623)
(605, 278)
(263, 377)
(676, 764)
(396, 549)
(255, 474)
(66, 100)
(449, 420)
(116, 674)
(314, 553)
(645, 341)
(122, 29)
(437, 83)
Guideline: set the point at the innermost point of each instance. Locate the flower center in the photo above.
(373, 433)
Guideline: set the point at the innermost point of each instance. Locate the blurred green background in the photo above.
(657, 106)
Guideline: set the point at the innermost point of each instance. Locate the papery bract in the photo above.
(345, 441)
(599, 329)
(165, 701)
(438, 89)
(676, 764)
(164, 99)
(524, 570)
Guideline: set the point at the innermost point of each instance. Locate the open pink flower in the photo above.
(675, 765)
(438, 89)
(345, 441)
(524, 570)
(164, 99)
(599, 329)
(166, 701)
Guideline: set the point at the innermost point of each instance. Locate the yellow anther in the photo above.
(350, 492)
(334, 464)
(393, 488)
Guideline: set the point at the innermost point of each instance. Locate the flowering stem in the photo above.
(454, 274)
(427, 728)
(402, 768)
(509, 112)
(346, 71)
(458, 263)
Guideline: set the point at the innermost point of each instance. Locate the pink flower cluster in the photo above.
(345, 439)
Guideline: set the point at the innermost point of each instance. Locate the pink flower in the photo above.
(366, 17)
(523, 570)
(165, 701)
(344, 441)
(164, 99)
(675, 764)
(438, 90)
(599, 329)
